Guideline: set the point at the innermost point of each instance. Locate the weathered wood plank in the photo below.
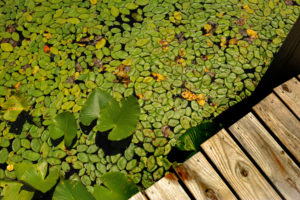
(237, 168)
(167, 188)
(202, 180)
(138, 196)
(268, 154)
(281, 121)
(289, 92)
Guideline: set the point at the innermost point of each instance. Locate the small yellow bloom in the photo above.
(206, 70)
(47, 35)
(93, 2)
(140, 96)
(207, 27)
(158, 77)
(10, 167)
(201, 102)
(200, 96)
(76, 75)
(252, 33)
(177, 15)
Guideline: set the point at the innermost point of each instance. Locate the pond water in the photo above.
(184, 61)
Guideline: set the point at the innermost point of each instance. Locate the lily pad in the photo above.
(13, 107)
(71, 189)
(64, 124)
(13, 190)
(122, 120)
(35, 175)
(117, 186)
(7, 47)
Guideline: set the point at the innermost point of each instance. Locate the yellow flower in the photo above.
(47, 35)
(207, 27)
(93, 2)
(252, 33)
(10, 167)
(177, 15)
(158, 77)
(201, 102)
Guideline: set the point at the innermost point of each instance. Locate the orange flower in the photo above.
(46, 49)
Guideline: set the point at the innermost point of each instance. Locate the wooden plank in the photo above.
(167, 188)
(202, 180)
(289, 92)
(268, 154)
(237, 168)
(281, 121)
(138, 196)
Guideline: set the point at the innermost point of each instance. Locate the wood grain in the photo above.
(281, 121)
(202, 180)
(289, 92)
(167, 188)
(238, 170)
(268, 154)
(138, 196)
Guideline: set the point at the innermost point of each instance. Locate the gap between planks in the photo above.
(238, 170)
(268, 154)
(202, 180)
(281, 122)
(289, 92)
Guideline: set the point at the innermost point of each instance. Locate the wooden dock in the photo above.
(255, 158)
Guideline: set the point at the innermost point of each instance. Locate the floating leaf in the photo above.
(114, 11)
(35, 175)
(68, 189)
(13, 107)
(95, 102)
(122, 120)
(100, 44)
(117, 187)
(93, 2)
(64, 124)
(195, 136)
(7, 47)
(13, 190)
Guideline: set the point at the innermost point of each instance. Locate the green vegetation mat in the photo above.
(185, 61)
